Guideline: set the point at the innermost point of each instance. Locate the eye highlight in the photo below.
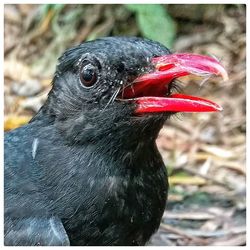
(88, 75)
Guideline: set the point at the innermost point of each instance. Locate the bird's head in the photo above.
(102, 85)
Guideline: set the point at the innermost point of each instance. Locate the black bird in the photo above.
(86, 170)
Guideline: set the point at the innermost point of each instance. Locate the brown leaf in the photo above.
(12, 121)
(239, 240)
(218, 151)
(189, 215)
(186, 180)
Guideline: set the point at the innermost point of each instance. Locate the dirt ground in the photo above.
(205, 153)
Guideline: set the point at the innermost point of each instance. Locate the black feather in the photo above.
(95, 167)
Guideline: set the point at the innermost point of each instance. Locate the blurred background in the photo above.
(205, 153)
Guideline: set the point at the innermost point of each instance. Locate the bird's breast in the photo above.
(120, 210)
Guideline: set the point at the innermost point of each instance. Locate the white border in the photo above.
(109, 2)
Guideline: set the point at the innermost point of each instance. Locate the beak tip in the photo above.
(219, 108)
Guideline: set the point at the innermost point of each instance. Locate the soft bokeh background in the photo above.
(205, 153)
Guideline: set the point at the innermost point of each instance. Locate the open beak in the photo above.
(149, 90)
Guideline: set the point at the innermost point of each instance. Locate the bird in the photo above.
(86, 170)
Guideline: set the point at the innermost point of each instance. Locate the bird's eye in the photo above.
(88, 75)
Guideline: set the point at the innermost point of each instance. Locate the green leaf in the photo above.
(136, 7)
(45, 8)
(154, 22)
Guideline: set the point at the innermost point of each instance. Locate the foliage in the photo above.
(154, 22)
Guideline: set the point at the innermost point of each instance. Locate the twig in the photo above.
(183, 234)
(209, 178)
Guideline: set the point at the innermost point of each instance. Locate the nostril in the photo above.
(120, 67)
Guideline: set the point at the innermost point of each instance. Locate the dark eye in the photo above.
(88, 75)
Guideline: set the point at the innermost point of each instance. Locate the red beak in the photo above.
(149, 90)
